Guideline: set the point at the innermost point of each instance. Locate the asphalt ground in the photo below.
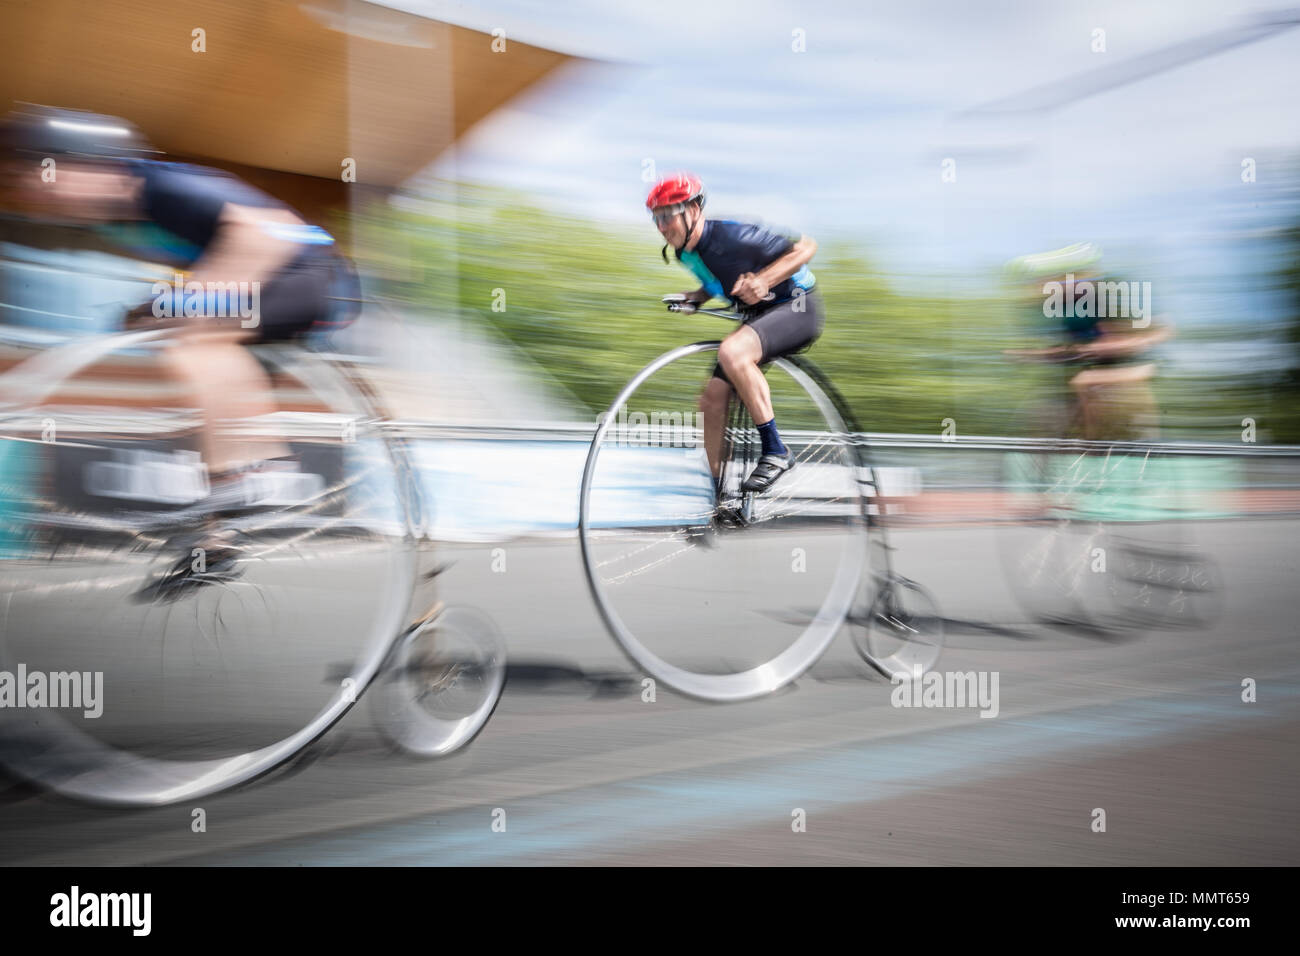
(1144, 723)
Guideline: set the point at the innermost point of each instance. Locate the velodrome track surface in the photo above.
(1148, 725)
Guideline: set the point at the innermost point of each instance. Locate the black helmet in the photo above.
(49, 131)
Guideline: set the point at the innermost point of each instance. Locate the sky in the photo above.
(847, 138)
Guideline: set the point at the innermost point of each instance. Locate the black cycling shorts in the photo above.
(296, 298)
(783, 330)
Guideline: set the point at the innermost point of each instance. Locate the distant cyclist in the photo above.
(766, 277)
(222, 231)
(1109, 368)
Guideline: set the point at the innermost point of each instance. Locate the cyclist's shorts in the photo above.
(296, 298)
(784, 330)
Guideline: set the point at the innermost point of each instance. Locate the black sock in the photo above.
(772, 444)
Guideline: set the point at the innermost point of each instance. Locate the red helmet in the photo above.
(676, 189)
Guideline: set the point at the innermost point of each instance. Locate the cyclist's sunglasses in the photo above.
(667, 213)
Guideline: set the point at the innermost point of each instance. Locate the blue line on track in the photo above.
(586, 821)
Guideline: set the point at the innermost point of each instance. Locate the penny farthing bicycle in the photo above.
(224, 679)
(732, 596)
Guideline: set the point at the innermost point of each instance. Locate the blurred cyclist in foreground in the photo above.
(1109, 377)
(88, 170)
(765, 276)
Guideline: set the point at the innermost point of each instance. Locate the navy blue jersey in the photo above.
(727, 250)
(187, 201)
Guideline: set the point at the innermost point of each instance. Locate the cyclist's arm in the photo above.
(779, 270)
(1119, 339)
(699, 296)
(1158, 332)
(245, 247)
(1048, 354)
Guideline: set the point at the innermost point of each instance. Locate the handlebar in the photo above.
(677, 302)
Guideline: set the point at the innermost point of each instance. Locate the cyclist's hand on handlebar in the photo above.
(680, 302)
(750, 289)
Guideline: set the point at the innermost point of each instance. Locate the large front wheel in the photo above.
(171, 693)
(721, 597)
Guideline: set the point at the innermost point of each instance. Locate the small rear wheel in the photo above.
(901, 633)
(441, 684)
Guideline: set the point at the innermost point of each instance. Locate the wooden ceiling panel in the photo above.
(288, 86)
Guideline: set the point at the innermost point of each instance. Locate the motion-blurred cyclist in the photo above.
(1111, 387)
(83, 169)
(766, 277)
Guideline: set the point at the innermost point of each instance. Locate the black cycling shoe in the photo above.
(729, 516)
(180, 580)
(767, 471)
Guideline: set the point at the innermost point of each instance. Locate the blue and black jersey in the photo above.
(187, 200)
(727, 250)
(183, 204)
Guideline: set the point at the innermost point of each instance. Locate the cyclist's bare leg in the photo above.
(1146, 414)
(713, 406)
(739, 356)
(226, 383)
(1106, 393)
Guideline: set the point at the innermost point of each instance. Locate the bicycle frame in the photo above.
(856, 439)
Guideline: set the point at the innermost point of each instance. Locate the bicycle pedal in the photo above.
(729, 516)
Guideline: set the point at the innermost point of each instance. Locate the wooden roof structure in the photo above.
(283, 86)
